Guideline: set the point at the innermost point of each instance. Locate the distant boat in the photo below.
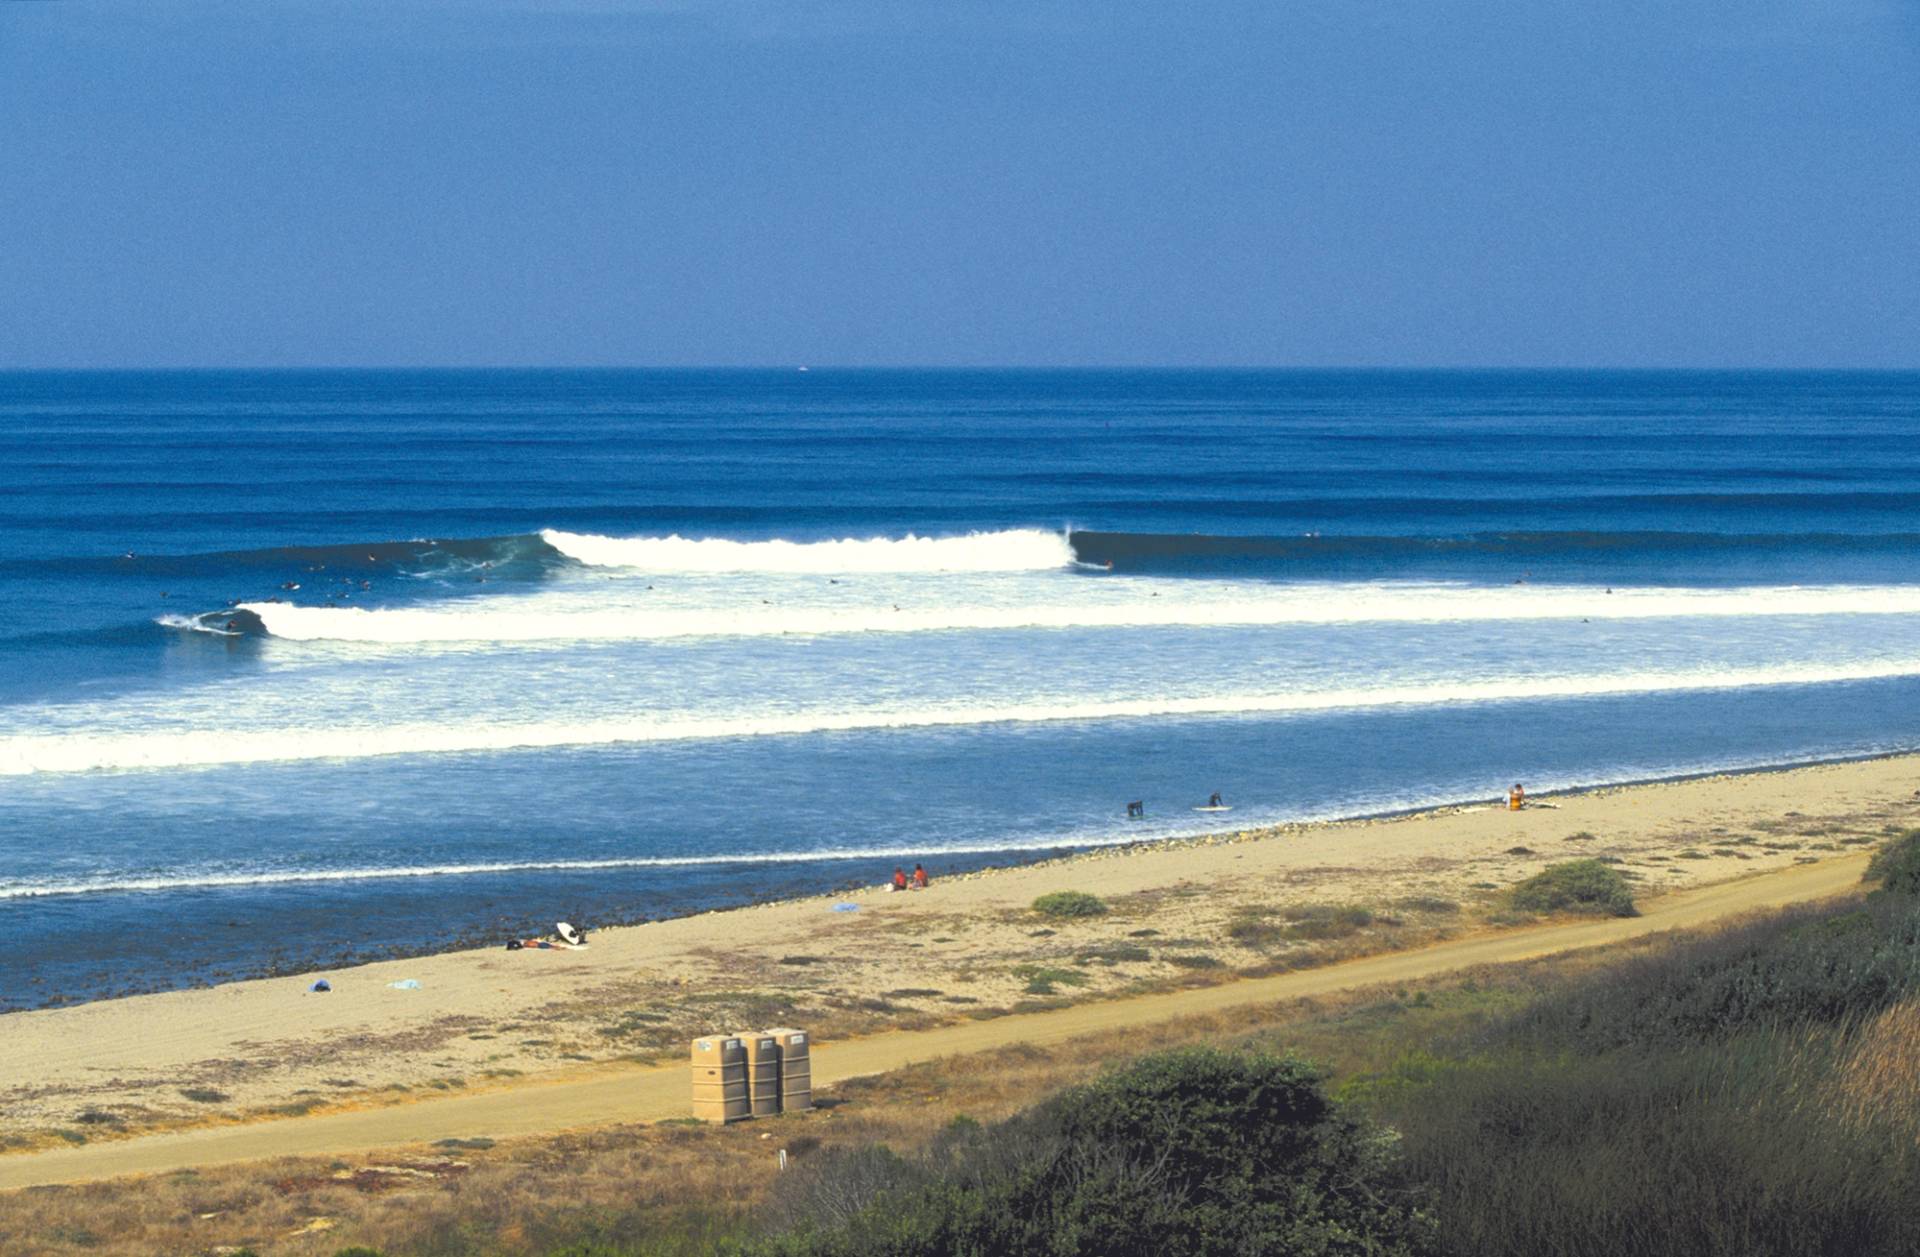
(803, 368)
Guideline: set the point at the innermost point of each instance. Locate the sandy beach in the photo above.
(1189, 912)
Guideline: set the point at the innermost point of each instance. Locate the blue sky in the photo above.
(1327, 182)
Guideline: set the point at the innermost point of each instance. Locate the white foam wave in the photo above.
(1121, 605)
(194, 624)
(199, 881)
(1015, 550)
(23, 754)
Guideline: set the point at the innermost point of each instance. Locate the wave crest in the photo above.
(1014, 550)
(1188, 607)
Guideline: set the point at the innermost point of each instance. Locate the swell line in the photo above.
(25, 754)
(1145, 607)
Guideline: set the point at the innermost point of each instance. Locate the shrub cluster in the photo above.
(1896, 865)
(1068, 904)
(1727, 1096)
(1577, 886)
(1195, 1152)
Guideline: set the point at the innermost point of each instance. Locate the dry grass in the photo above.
(1878, 1073)
(524, 1197)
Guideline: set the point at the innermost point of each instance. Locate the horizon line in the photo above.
(806, 368)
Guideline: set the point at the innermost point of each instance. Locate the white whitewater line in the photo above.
(1304, 604)
(23, 754)
(1014, 550)
(208, 881)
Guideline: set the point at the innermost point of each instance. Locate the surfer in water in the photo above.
(1213, 800)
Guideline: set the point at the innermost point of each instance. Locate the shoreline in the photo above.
(471, 940)
(1185, 911)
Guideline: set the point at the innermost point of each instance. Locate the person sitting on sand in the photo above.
(1516, 798)
(919, 877)
(899, 879)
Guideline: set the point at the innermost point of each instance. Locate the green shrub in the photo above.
(1192, 1152)
(1587, 886)
(1324, 921)
(1896, 866)
(1068, 904)
(1042, 980)
(1253, 929)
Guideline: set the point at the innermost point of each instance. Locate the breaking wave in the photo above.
(211, 880)
(1016, 550)
(23, 754)
(1184, 605)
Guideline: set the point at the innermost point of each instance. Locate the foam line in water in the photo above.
(1015, 550)
(23, 754)
(211, 881)
(1156, 604)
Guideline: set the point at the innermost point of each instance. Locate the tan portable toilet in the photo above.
(796, 1070)
(763, 1072)
(720, 1078)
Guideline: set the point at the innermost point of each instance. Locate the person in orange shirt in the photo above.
(1516, 798)
(919, 877)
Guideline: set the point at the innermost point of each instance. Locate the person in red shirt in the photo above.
(919, 877)
(899, 879)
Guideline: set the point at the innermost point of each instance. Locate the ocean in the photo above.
(302, 668)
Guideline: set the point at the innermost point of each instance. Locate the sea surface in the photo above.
(299, 668)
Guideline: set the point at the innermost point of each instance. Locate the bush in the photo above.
(1587, 886)
(1064, 905)
(1325, 921)
(1712, 1152)
(1192, 1152)
(1896, 865)
(1747, 1092)
(1814, 966)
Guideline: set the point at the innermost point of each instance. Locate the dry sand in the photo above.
(966, 948)
(611, 1094)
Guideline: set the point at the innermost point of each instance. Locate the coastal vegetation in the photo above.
(1754, 1089)
(1585, 886)
(1068, 904)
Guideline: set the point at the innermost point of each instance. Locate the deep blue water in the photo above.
(609, 645)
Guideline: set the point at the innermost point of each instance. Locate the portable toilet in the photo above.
(796, 1070)
(720, 1079)
(763, 1072)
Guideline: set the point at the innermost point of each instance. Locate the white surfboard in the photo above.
(1222, 807)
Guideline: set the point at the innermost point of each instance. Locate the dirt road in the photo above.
(635, 1094)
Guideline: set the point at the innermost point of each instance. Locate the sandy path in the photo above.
(608, 1095)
